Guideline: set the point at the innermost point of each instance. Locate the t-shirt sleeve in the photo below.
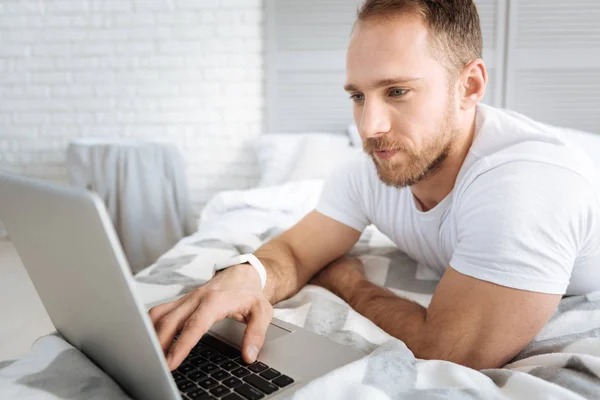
(522, 224)
(343, 196)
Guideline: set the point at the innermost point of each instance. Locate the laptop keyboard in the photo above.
(215, 370)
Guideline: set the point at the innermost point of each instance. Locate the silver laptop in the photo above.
(73, 256)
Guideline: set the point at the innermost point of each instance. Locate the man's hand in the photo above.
(233, 293)
(342, 275)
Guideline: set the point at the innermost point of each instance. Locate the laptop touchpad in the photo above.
(233, 331)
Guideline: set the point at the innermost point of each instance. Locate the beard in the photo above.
(416, 166)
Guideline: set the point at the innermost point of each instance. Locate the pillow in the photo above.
(589, 142)
(355, 139)
(319, 160)
(277, 152)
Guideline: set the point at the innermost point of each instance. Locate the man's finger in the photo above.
(254, 336)
(157, 312)
(170, 323)
(212, 309)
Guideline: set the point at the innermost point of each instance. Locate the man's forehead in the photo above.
(390, 50)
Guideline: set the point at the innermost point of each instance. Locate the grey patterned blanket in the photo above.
(562, 362)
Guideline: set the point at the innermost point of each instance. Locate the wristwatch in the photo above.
(244, 259)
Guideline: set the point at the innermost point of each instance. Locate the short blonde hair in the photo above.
(454, 26)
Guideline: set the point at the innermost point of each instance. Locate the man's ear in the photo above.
(473, 83)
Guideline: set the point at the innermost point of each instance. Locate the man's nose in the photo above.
(375, 120)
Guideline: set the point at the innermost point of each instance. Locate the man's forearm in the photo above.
(398, 317)
(284, 278)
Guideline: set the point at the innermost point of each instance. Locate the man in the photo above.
(501, 207)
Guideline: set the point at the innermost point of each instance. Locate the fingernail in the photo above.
(169, 359)
(253, 352)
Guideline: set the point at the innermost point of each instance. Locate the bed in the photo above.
(562, 362)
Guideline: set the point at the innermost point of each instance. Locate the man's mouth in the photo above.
(385, 154)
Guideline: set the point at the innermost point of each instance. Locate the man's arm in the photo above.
(469, 321)
(299, 253)
(290, 260)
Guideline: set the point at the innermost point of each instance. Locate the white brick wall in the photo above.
(189, 72)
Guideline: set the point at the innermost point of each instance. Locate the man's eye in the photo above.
(357, 97)
(398, 92)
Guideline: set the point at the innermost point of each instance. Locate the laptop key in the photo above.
(241, 361)
(219, 358)
(240, 372)
(186, 385)
(208, 353)
(196, 375)
(270, 374)
(199, 394)
(220, 375)
(185, 368)
(283, 381)
(224, 348)
(258, 367)
(261, 384)
(207, 383)
(198, 362)
(249, 392)
(232, 382)
(229, 365)
(177, 376)
(208, 368)
(219, 391)
(232, 396)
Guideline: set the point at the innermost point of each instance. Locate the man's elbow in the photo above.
(475, 359)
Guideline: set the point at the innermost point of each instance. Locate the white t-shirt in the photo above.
(524, 212)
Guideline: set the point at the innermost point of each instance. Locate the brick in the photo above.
(50, 77)
(135, 48)
(30, 118)
(15, 78)
(66, 6)
(108, 35)
(51, 21)
(93, 77)
(194, 32)
(76, 63)
(118, 62)
(13, 21)
(154, 5)
(111, 6)
(122, 90)
(254, 17)
(93, 48)
(48, 49)
(91, 20)
(178, 18)
(159, 89)
(23, 91)
(139, 18)
(229, 17)
(71, 91)
(20, 36)
(195, 4)
(14, 50)
(22, 7)
(149, 33)
(93, 104)
(71, 118)
(153, 62)
(29, 64)
(58, 35)
(240, 4)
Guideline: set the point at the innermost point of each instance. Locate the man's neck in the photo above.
(433, 189)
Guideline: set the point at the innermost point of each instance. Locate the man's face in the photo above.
(403, 99)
